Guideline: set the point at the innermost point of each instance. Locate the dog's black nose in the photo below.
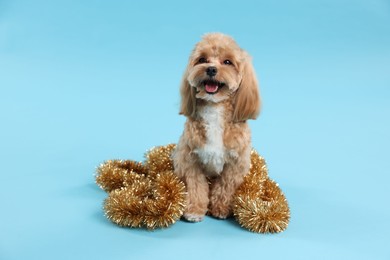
(211, 71)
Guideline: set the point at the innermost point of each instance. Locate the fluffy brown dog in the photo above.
(219, 93)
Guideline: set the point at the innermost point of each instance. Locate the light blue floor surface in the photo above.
(86, 81)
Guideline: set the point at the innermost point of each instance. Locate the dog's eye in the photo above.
(202, 60)
(227, 62)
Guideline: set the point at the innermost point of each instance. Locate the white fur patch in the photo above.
(212, 154)
(193, 217)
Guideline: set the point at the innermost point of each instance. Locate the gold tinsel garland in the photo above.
(259, 204)
(142, 194)
(153, 204)
(149, 194)
(114, 174)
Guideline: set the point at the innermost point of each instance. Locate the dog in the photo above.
(219, 93)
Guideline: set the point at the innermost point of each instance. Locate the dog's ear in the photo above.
(247, 97)
(188, 100)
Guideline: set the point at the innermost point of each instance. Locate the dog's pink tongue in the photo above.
(211, 87)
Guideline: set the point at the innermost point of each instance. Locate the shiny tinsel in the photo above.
(113, 174)
(153, 204)
(259, 204)
(150, 195)
(142, 194)
(158, 159)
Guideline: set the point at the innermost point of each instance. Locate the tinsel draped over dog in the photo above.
(150, 195)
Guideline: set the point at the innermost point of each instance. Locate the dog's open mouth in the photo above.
(212, 86)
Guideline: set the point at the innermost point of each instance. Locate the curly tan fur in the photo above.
(219, 94)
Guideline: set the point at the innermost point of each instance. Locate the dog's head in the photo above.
(218, 69)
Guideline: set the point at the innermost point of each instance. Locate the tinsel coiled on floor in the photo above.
(259, 204)
(142, 194)
(150, 195)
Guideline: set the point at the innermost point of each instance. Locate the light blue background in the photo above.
(86, 81)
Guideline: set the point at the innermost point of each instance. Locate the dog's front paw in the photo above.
(220, 211)
(190, 217)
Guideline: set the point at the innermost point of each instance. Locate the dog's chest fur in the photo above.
(212, 154)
